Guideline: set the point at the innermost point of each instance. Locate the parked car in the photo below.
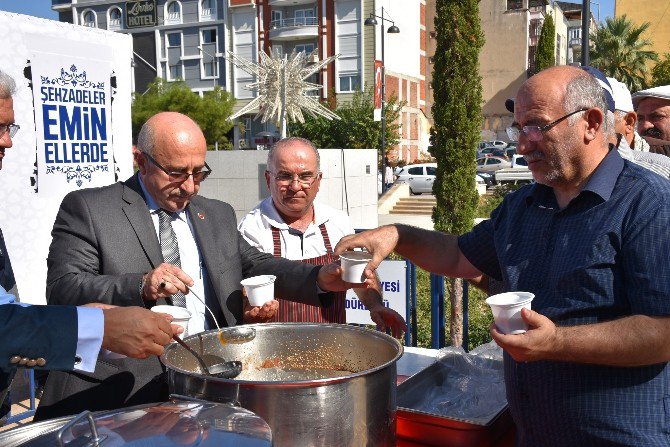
(495, 143)
(500, 152)
(517, 173)
(488, 178)
(486, 151)
(491, 164)
(420, 177)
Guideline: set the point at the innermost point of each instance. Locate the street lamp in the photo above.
(372, 21)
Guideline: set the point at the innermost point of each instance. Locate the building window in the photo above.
(209, 36)
(207, 10)
(305, 17)
(173, 40)
(172, 12)
(536, 5)
(88, 18)
(174, 72)
(114, 18)
(350, 82)
(304, 48)
(276, 19)
(514, 4)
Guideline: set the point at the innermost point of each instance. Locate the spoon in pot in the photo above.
(232, 335)
(224, 370)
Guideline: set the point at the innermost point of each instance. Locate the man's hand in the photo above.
(540, 342)
(164, 281)
(262, 314)
(136, 332)
(387, 318)
(329, 279)
(380, 242)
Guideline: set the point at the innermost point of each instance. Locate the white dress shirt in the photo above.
(256, 229)
(191, 261)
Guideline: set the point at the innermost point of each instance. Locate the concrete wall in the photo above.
(654, 12)
(349, 181)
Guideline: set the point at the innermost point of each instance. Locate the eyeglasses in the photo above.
(182, 176)
(11, 128)
(306, 179)
(535, 133)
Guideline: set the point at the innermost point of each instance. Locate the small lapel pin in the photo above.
(201, 216)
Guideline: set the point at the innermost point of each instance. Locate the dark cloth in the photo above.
(7, 280)
(603, 257)
(103, 242)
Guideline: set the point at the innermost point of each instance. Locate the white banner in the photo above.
(394, 292)
(73, 117)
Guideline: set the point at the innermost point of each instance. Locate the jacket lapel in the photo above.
(137, 212)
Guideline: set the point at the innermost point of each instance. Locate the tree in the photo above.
(619, 51)
(356, 127)
(545, 56)
(660, 74)
(457, 117)
(211, 111)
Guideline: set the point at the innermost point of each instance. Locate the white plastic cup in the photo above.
(506, 308)
(180, 316)
(353, 265)
(260, 289)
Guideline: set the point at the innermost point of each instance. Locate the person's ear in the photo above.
(268, 178)
(631, 121)
(140, 160)
(594, 120)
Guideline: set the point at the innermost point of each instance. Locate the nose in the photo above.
(295, 184)
(643, 125)
(5, 140)
(188, 185)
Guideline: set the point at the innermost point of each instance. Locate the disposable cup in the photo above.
(260, 289)
(353, 265)
(506, 308)
(180, 316)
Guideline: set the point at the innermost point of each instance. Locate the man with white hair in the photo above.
(653, 113)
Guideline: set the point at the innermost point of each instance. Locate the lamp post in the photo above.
(372, 21)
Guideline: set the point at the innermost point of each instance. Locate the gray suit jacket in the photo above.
(103, 242)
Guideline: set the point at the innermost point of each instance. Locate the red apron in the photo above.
(291, 311)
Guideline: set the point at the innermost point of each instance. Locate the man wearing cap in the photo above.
(653, 113)
(589, 239)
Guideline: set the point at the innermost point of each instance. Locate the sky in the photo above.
(42, 8)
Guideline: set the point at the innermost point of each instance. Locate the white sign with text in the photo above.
(392, 275)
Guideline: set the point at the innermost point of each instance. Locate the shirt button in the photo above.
(41, 361)
(23, 361)
(77, 360)
(31, 363)
(14, 359)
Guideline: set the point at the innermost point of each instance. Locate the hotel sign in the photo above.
(140, 13)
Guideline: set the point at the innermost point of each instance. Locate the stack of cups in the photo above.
(506, 308)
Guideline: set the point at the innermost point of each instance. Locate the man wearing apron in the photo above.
(291, 224)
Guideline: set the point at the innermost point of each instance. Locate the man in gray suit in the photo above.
(106, 248)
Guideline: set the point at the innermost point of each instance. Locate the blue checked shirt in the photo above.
(603, 257)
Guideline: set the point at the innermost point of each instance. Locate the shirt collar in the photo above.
(153, 206)
(602, 180)
(273, 217)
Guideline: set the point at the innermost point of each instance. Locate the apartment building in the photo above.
(187, 39)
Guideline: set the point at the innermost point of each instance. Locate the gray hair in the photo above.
(146, 139)
(285, 142)
(585, 92)
(7, 85)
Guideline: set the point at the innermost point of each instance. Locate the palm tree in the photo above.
(619, 51)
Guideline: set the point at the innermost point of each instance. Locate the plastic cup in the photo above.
(180, 316)
(353, 265)
(506, 308)
(260, 289)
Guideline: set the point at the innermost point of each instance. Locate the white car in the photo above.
(421, 177)
(491, 164)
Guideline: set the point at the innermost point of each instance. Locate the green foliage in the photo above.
(660, 74)
(619, 51)
(545, 56)
(356, 127)
(211, 112)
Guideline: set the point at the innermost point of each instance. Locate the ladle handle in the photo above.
(197, 357)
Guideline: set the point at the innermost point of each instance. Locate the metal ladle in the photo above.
(225, 370)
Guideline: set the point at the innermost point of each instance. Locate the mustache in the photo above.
(652, 132)
(533, 156)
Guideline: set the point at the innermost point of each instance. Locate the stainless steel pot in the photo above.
(314, 384)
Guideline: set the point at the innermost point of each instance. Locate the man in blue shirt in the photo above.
(590, 239)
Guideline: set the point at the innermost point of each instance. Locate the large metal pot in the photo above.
(314, 384)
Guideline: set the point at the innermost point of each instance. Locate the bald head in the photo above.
(169, 128)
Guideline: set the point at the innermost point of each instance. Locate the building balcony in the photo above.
(575, 42)
(290, 2)
(294, 29)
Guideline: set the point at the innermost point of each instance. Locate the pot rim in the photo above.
(297, 383)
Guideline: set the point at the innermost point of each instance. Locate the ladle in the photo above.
(224, 370)
(231, 335)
